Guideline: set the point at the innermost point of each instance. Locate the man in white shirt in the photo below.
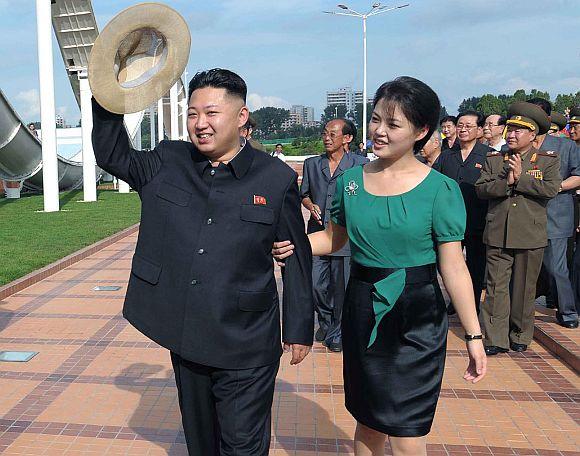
(493, 131)
(278, 152)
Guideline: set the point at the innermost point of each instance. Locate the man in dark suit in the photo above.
(330, 273)
(464, 166)
(202, 281)
(449, 130)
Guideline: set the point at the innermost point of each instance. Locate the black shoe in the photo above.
(451, 309)
(320, 335)
(492, 350)
(334, 346)
(518, 347)
(572, 324)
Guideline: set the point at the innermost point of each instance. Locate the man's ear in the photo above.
(347, 139)
(243, 116)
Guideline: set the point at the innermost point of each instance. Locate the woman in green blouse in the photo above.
(399, 216)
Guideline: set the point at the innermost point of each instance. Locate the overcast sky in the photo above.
(289, 52)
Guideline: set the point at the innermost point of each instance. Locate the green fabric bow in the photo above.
(386, 293)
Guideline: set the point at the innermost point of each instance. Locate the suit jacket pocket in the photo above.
(173, 194)
(255, 301)
(257, 214)
(146, 270)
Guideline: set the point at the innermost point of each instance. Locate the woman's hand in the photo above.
(477, 367)
(282, 250)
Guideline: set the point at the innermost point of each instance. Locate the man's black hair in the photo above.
(279, 144)
(478, 115)
(451, 119)
(348, 128)
(418, 102)
(219, 79)
(542, 103)
(502, 120)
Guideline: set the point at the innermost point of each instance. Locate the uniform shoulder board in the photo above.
(548, 153)
(495, 153)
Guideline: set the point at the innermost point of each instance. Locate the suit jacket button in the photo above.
(212, 172)
(209, 221)
(201, 251)
(514, 204)
(194, 282)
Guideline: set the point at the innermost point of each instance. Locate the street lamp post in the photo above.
(375, 10)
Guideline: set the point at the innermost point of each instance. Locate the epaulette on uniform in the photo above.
(548, 153)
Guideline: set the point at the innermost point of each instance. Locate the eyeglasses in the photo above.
(332, 135)
(467, 127)
(492, 125)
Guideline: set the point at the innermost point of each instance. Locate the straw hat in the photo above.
(139, 55)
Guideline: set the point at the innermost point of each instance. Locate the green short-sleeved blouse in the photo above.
(399, 231)
(402, 230)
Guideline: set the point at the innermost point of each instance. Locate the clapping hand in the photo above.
(515, 168)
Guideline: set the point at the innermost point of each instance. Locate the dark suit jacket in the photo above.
(320, 186)
(202, 280)
(466, 173)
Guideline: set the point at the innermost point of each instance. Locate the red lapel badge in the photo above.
(478, 165)
(261, 200)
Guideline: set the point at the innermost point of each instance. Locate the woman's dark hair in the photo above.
(418, 102)
(220, 79)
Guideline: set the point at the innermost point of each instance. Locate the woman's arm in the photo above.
(458, 284)
(331, 240)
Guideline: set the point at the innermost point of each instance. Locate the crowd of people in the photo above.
(382, 231)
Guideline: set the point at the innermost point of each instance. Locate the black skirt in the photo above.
(393, 385)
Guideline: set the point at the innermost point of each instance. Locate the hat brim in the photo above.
(103, 80)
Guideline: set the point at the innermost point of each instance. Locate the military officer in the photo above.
(518, 186)
(575, 125)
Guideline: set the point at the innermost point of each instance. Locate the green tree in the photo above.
(490, 104)
(269, 120)
(333, 112)
(443, 112)
(469, 104)
(566, 101)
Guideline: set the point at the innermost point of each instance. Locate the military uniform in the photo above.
(515, 235)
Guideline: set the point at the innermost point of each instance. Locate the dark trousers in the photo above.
(556, 264)
(225, 412)
(475, 260)
(329, 278)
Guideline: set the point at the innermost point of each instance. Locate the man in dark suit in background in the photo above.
(202, 281)
(464, 166)
(330, 273)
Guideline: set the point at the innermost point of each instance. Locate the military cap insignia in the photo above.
(351, 188)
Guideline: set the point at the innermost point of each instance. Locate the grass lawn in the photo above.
(30, 240)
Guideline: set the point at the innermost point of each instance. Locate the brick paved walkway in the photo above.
(98, 387)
